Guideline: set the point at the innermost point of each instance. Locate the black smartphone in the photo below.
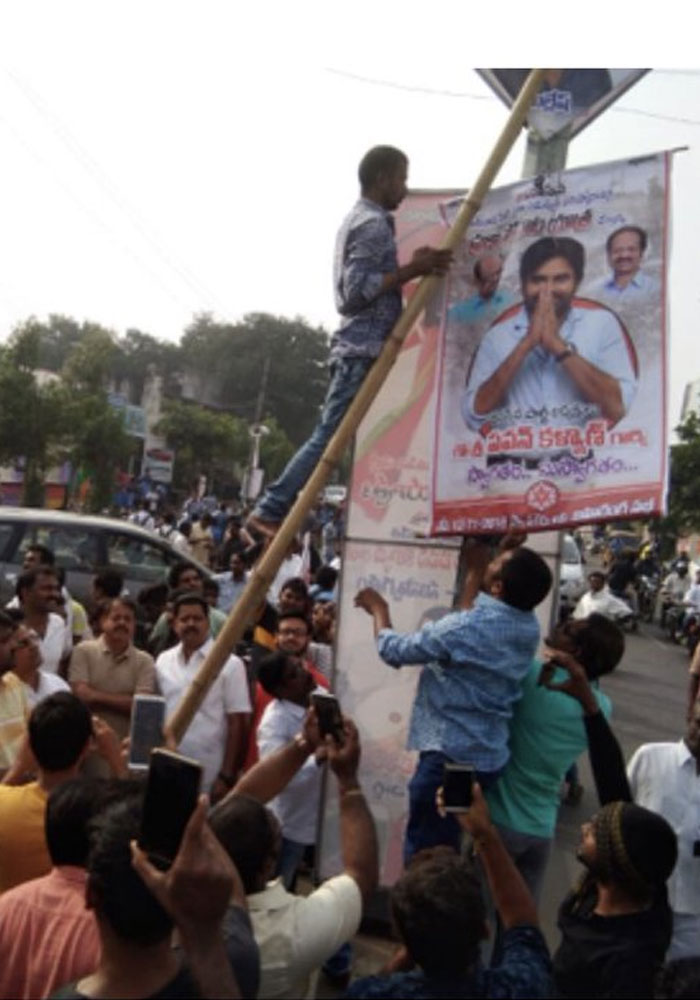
(330, 718)
(457, 783)
(172, 790)
(146, 732)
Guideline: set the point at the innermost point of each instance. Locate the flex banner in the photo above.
(550, 399)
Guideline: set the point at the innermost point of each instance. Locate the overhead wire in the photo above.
(436, 92)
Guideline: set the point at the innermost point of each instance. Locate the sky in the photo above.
(165, 159)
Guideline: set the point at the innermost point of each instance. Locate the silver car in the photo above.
(83, 545)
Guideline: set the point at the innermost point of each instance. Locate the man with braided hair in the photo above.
(616, 927)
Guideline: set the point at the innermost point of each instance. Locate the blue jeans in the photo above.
(347, 375)
(425, 828)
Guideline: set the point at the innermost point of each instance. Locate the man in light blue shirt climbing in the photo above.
(473, 663)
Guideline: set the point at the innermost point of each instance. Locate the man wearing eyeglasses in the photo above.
(25, 655)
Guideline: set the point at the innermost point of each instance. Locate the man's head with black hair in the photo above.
(595, 642)
(60, 729)
(38, 555)
(554, 262)
(115, 890)
(185, 576)
(518, 577)
(285, 677)
(251, 836)
(70, 809)
(106, 584)
(36, 588)
(294, 596)
(293, 633)
(379, 164)
(439, 912)
(326, 577)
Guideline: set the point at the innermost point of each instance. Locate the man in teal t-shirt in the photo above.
(547, 734)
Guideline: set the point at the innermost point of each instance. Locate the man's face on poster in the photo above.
(558, 276)
(625, 253)
(488, 276)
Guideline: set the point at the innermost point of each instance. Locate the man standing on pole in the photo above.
(367, 280)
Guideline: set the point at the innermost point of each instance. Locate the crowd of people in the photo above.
(84, 912)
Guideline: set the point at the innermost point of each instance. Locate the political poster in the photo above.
(568, 99)
(551, 396)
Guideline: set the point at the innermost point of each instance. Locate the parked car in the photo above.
(572, 578)
(83, 545)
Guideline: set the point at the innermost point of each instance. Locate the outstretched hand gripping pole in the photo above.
(244, 611)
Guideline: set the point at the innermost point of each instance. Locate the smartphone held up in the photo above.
(457, 786)
(172, 791)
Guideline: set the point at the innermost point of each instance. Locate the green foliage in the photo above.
(684, 481)
(204, 442)
(264, 367)
(232, 358)
(275, 450)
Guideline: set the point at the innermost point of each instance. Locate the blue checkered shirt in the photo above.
(365, 251)
(474, 665)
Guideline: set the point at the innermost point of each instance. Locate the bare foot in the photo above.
(258, 526)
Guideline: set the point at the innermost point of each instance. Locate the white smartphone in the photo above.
(147, 719)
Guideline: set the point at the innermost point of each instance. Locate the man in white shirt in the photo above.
(25, 653)
(296, 808)
(216, 735)
(598, 599)
(566, 360)
(296, 934)
(36, 591)
(627, 282)
(665, 777)
(674, 589)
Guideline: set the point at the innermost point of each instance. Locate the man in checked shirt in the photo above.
(368, 280)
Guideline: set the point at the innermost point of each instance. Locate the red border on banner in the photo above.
(617, 504)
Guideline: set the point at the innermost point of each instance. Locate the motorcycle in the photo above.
(647, 595)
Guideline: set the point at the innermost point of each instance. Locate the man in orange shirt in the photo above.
(60, 736)
(47, 935)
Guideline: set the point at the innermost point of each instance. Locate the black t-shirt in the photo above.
(615, 956)
(182, 987)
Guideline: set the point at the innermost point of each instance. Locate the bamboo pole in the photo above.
(243, 612)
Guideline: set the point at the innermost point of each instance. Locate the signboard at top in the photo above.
(569, 99)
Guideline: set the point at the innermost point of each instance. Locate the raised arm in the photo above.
(512, 898)
(607, 762)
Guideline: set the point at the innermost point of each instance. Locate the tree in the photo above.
(229, 360)
(32, 423)
(204, 442)
(683, 516)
